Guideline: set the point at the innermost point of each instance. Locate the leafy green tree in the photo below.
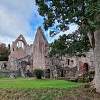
(71, 44)
(58, 47)
(4, 53)
(85, 13)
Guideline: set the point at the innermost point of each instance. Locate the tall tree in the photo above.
(71, 44)
(4, 53)
(85, 13)
(58, 47)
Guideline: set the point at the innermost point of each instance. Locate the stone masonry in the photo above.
(34, 55)
(40, 50)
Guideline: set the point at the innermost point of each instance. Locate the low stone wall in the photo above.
(5, 73)
(71, 73)
(1, 63)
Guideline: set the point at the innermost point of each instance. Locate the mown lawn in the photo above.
(32, 89)
(21, 83)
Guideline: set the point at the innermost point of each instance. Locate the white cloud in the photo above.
(15, 19)
(21, 17)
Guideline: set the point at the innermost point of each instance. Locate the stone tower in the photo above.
(40, 50)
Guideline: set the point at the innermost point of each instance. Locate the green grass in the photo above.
(32, 89)
(21, 83)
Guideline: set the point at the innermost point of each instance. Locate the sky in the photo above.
(22, 17)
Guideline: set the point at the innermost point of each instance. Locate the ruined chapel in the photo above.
(29, 56)
(24, 57)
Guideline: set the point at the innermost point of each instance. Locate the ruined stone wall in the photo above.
(29, 49)
(35, 54)
(18, 48)
(40, 50)
(73, 66)
(18, 52)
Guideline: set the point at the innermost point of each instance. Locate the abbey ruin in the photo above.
(29, 56)
(24, 57)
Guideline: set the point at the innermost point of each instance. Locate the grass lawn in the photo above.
(21, 83)
(31, 89)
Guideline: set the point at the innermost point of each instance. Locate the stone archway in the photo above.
(18, 51)
(20, 42)
(18, 48)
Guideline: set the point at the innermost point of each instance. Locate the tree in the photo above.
(58, 47)
(71, 44)
(4, 53)
(38, 73)
(77, 44)
(85, 13)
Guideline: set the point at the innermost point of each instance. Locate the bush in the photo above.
(38, 73)
(86, 77)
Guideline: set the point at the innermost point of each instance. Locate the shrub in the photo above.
(38, 73)
(86, 77)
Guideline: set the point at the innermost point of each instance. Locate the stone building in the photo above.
(40, 50)
(32, 56)
(72, 67)
(25, 57)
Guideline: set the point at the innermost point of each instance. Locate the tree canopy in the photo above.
(71, 44)
(4, 53)
(60, 13)
(64, 12)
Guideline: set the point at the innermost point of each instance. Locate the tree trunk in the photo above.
(97, 60)
(91, 39)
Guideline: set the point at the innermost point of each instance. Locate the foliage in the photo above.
(85, 78)
(60, 13)
(68, 11)
(58, 46)
(72, 44)
(4, 53)
(38, 73)
(79, 44)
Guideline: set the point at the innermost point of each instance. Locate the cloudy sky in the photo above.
(20, 17)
